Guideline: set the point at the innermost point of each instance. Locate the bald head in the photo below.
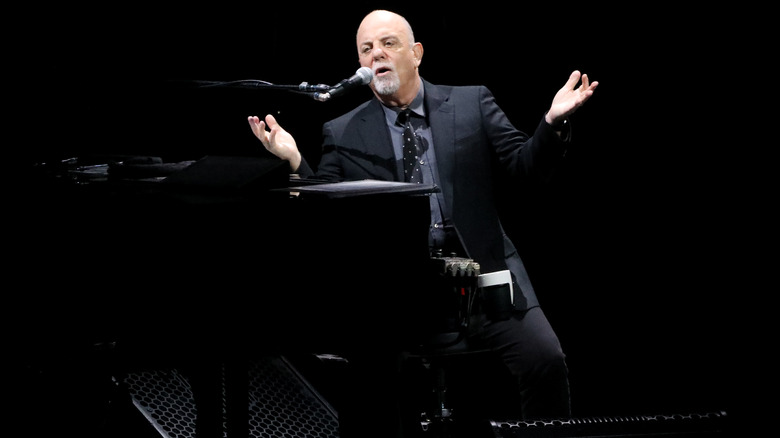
(383, 17)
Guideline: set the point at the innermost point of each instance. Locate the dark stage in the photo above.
(628, 255)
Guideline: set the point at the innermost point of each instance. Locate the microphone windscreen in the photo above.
(365, 75)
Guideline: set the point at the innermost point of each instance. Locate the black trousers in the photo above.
(380, 397)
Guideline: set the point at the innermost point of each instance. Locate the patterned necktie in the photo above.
(412, 150)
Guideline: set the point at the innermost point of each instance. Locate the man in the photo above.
(468, 148)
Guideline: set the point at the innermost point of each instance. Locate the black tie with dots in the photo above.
(411, 153)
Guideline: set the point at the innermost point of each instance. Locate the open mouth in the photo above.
(381, 71)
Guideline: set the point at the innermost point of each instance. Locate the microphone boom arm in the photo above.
(321, 92)
(255, 83)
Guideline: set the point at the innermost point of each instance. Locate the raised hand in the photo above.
(570, 97)
(276, 140)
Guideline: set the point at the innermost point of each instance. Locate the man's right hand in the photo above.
(277, 141)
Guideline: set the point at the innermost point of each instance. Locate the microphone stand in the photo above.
(255, 83)
(320, 92)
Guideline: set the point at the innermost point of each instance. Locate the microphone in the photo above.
(362, 76)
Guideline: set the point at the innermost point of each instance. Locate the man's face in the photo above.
(383, 45)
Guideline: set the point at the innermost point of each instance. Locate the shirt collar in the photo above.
(417, 107)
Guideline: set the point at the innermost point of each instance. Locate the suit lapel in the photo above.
(441, 114)
(376, 138)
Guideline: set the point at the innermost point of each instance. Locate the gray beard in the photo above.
(387, 85)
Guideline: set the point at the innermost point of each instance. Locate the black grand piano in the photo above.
(220, 261)
(227, 243)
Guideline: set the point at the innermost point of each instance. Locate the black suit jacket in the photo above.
(476, 148)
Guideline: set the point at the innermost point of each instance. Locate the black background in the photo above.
(626, 248)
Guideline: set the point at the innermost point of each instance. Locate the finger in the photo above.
(574, 77)
(254, 122)
(258, 128)
(585, 82)
(271, 121)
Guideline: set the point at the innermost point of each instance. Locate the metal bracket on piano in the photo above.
(459, 283)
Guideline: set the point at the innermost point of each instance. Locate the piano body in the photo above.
(225, 261)
(232, 262)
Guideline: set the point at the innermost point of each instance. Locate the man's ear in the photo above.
(418, 53)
